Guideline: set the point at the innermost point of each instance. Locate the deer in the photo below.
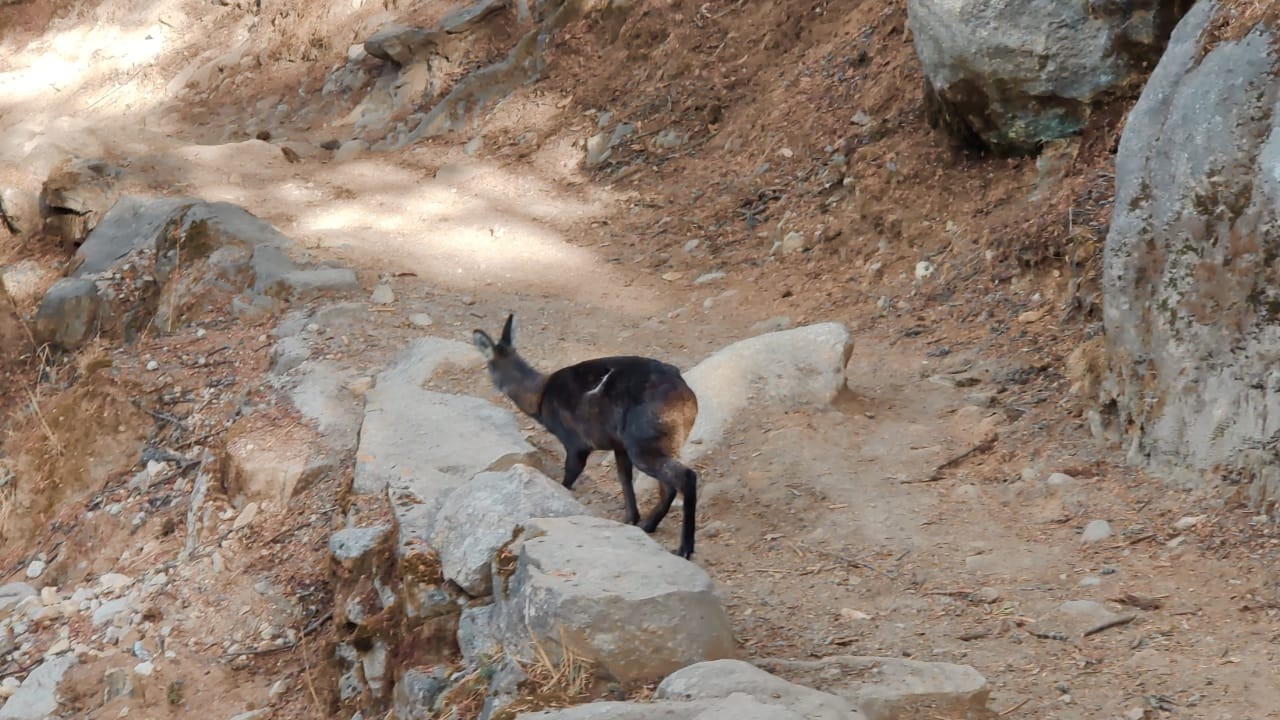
(639, 408)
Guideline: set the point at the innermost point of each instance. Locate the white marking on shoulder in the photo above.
(600, 385)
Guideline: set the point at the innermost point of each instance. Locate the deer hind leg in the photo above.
(626, 479)
(674, 477)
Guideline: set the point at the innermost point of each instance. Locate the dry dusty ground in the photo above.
(915, 518)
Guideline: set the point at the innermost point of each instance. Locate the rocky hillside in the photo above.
(975, 298)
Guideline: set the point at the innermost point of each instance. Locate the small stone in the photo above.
(1059, 480)
(786, 152)
(116, 683)
(36, 569)
(1090, 581)
(49, 595)
(420, 320)
(152, 365)
(382, 295)
(144, 668)
(246, 516)
(1095, 531)
(924, 270)
(113, 581)
(860, 118)
(278, 688)
(692, 245)
(1187, 522)
(793, 242)
(58, 647)
(672, 276)
(361, 385)
(708, 277)
(1031, 316)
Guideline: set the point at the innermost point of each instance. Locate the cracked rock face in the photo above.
(1009, 75)
(1190, 280)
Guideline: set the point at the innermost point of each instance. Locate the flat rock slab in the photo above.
(36, 698)
(777, 371)
(891, 688)
(430, 442)
(610, 593)
(476, 519)
(727, 678)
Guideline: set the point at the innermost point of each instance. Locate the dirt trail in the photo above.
(841, 530)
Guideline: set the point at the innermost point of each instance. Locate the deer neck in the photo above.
(525, 388)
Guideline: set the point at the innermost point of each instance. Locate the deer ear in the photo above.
(484, 343)
(508, 332)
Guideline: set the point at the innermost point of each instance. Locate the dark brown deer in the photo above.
(639, 408)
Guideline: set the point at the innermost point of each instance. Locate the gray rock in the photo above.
(351, 546)
(738, 706)
(476, 636)
(891, 688)
(37, 698)
(779, 371)
(476, 519)
(1016, 73)
(397, 43)
(116, 682)
(382, 295)
(623, 602)
(13, 593)
(726, 678)
(108, 611)
(132, 223)
(420, 320)
(1191, 299)
(288, 354)
(311, 283)
(1095, 531)
(25, 280)
(320, 396)
(416, 692)
(70, 313)
(427, 443)
(741, 706)
(1075, 617)
(625, 711)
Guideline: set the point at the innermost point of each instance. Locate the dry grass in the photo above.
(1236, 18)
(552, 683)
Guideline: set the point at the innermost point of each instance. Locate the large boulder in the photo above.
(1191, 286)
(1012, 74)
(610, 594)
(777, 371)
(165, 262)
(476, 519)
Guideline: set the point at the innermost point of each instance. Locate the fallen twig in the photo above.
(936, 475)
(165, 417)
(1011, 710)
